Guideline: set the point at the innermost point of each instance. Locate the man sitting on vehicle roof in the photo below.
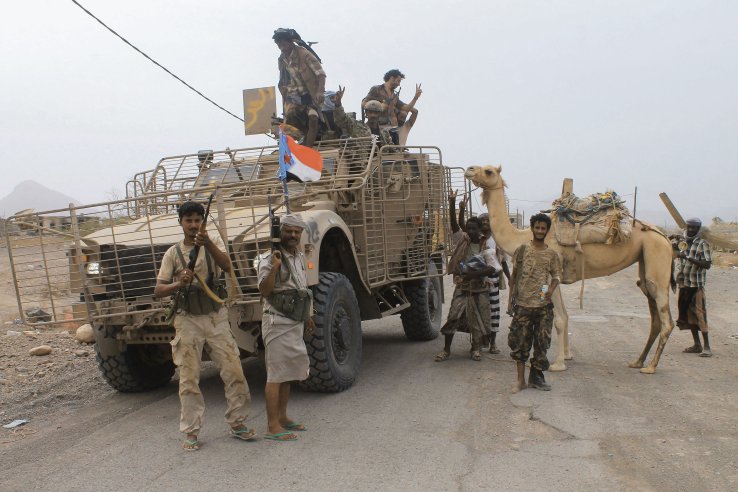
(392, 106)
(301, 83)
(353, 128)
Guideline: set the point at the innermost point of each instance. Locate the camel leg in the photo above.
(561, 322)
(665, 326)
(655, 328)
(657, 274)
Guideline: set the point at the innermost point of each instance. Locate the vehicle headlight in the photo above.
(92, 268)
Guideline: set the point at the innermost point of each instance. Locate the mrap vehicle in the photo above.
(376, 243)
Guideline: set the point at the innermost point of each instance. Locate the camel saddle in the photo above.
(599, 218)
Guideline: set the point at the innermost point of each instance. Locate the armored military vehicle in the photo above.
(375, 242)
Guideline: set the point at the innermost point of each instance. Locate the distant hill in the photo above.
(30, 194)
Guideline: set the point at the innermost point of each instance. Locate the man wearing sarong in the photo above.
(287, 311)
(495, 282)
(202, 323)
(692, 277)
(536, 275)
(469, 311)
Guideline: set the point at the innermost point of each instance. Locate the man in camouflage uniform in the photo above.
(536, 275)
(202, 323)
(394, 111)
(301, 83)
(353, 128)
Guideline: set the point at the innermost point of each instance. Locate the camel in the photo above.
(647, 246)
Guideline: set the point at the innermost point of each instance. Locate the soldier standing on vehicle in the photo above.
(301, 83)
(469, 311)
(536, 275)
(356, 129)
(200, 322)
(287, 314)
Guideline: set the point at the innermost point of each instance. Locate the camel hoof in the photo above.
(636, 364)
(568, 357)
(557, 367)
(648, 370)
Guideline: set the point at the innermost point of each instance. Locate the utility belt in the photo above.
(295, 304)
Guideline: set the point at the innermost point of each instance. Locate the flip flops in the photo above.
(441, 356)
(295, 426)
(281, 436)
(244, 434)
(191, 445)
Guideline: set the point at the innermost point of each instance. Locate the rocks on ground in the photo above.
(41, 350)
(84, 334)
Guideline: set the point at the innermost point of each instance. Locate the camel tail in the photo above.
(672, 280)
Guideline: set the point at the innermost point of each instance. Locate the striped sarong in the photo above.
(494, 303)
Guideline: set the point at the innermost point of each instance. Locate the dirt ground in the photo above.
(408, 423)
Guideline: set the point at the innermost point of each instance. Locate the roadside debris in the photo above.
(41, 350)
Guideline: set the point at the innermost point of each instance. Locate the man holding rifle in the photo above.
(200, 322)
(287, 314)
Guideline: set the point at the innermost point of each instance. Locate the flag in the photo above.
(297, 161)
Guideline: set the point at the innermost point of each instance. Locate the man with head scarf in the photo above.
(693, 263)
(287, 314)
(301, 83)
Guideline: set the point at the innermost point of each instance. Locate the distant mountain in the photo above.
(30, 194)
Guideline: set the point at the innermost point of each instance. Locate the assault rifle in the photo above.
(196, 249)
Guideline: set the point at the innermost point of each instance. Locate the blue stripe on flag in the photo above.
(285, 156)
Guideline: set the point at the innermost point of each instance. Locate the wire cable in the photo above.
(155, 62)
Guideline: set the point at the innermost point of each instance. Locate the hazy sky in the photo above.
(614, 94)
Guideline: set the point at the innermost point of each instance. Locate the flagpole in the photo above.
(286, 196)
(282, 172)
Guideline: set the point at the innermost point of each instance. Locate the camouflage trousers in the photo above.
(531, 327)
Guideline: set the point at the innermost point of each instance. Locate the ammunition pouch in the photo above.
(193, 299)
(295, 304)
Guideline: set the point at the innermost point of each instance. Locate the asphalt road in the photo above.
(412, 424)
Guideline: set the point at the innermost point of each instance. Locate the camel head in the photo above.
(486, 177)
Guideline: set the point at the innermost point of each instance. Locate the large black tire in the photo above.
(422, 320)
(335, 346)
(137, 367)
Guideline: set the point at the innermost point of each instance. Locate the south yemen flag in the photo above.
(297, 162)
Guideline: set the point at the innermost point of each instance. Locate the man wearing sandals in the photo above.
(201, 323)
(287, 314)
(691, 277)
(469, 311)
(496, 283)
